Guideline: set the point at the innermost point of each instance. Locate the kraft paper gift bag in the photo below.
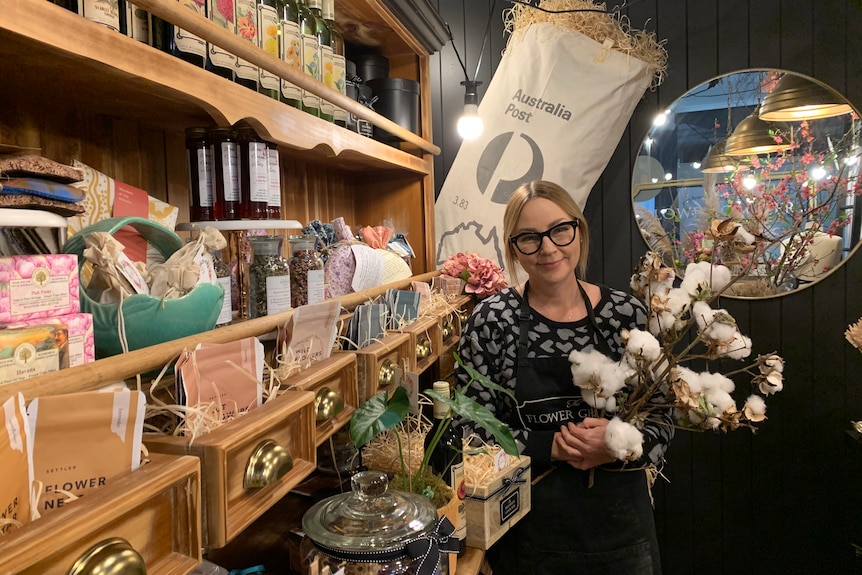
(81, 441)
(17, 475)
(555, 110)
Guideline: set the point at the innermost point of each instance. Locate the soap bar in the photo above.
(38, 286)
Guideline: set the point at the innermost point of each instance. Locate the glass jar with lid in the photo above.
(268, 277)
(224, 150)
(306, 271)
(254, 174)
(376, 530)
(200, 174)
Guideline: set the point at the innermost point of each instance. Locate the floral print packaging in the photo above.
(37, 286)
(17, 473)
(83, 441)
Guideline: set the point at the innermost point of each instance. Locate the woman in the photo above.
(589, 514)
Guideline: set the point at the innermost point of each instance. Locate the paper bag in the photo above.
(81, 441)
(17, 474)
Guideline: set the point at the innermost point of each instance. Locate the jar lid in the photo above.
(373, 518)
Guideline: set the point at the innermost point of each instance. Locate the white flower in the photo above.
(642, 344)
(623, 440)
(702, 278)
(771, 363)
(599, 377)
(755, 408)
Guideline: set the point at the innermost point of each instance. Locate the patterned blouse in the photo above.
(489, 344)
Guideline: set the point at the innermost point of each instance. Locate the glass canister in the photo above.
(375, 530)
(223, 278)
(306, 271)
(268, 277)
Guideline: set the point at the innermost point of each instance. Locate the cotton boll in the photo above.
(643, 344)
(720, 399)
(703, 314)
(716, 381)
(755, 408)
(623, 440)
(772, 383)
(740, 347)
(744, 236)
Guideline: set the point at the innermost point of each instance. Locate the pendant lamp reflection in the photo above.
(717, 162)
(796, 98)
(754, 136)
(470, 123)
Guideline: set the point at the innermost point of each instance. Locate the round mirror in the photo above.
(756, 170)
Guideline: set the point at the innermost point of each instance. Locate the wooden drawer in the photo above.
(424, 342)
(225, 453)
(375, 363)
(156, 509)
(337, 374)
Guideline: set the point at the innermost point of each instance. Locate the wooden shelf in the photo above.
(51, 52)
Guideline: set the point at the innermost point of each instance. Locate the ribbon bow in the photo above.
(516, 479)
(428, 547)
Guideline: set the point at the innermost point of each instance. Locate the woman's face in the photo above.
(552, 263)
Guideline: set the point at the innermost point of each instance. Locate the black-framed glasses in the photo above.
(529, 243)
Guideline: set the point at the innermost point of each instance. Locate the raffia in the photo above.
(599, 26)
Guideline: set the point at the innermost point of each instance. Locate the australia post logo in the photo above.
(503, 153)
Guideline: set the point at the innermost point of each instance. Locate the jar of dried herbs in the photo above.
(223, 278)
(306, 271)
(268, 277)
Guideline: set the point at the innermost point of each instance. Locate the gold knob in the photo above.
(327, 404)
(109, 557)
(463, 316)
(447, 330)
(423, 348)
(268, 463)
(386, 375)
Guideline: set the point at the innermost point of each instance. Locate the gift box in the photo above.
(81, 347)
(494, 507)
(38, 286)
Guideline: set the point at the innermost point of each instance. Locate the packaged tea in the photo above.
(82, 441)
(17, 474)
(309, 335)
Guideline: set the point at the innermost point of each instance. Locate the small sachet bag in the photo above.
(82, 441)
(17, 475)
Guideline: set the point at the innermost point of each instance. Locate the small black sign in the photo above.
(509, 506)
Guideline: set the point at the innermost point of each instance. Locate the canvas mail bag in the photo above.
(555, 110)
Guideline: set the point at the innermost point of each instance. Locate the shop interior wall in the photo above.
(788, 499)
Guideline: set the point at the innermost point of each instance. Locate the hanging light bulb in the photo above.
(797, 98)
(470, 123)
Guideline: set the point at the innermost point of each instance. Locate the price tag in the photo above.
(501, 461)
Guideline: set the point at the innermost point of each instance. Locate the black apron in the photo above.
(573, 528)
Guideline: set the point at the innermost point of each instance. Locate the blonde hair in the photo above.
(558, 195)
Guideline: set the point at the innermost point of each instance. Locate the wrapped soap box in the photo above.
(26, 352)
(38, 286)
(82, 348)
(494, 507)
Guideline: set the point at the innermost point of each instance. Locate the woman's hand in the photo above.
(582, 445)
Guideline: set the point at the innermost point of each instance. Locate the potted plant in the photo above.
(384, 412)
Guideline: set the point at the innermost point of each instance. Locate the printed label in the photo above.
(327, 76)
(41, 292)
(102, 12)
(268, 38)
(230, 171)
(258, 172)
(277, 294)
(138, 23)
(27, 362)
(222, 14)
(247, 29)
(225, 315)
(315, 286)
(205, 184)
(274, 178)
(291, 53)
(339, 75)
(186, 41)
(509, 506)
(311, 66)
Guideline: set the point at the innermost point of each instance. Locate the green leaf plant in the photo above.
(383, 412)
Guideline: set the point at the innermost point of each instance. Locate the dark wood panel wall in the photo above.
(789, 499)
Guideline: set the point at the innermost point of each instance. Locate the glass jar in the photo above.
(200, 175)
(254, 174)
(367, 531)
(273, 209)
(223, 278)
(306, 271)
(223, 146)
(268, 277)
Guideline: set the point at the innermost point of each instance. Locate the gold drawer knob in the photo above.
(386, 375)
(447, 330)
(423, 348)
(463, 316)
(327, 404)
(267, 464)
(109, 557)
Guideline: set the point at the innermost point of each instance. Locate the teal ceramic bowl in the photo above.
(148, 320)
